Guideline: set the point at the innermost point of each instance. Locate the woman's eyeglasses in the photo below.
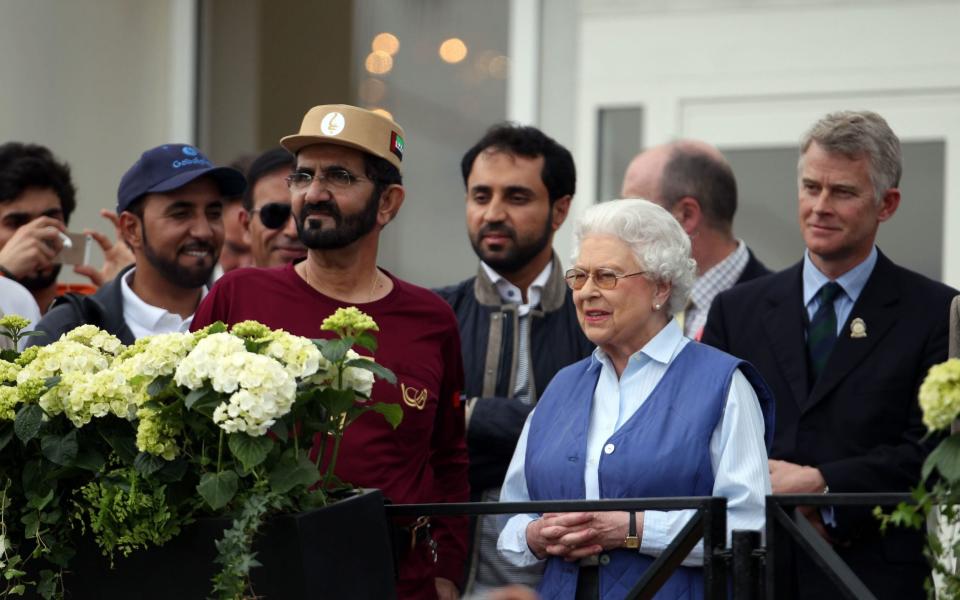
(605, 279)
(273, 215)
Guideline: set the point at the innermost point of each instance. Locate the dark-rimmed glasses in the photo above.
(335, 177)
(605, 279)
(273, 215)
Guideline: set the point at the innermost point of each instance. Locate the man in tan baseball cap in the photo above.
(345, 188)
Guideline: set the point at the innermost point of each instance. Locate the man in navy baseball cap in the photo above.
(170, 207)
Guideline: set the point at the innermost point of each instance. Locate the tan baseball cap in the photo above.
(349, 126)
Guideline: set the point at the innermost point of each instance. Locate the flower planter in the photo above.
(341, 551)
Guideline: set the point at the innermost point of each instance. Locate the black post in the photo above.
(714, 543)
(745, 572)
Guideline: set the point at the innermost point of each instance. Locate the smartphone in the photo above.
(77, 252)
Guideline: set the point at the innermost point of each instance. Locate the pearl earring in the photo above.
(656, 306)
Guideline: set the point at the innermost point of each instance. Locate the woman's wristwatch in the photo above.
(632, 541)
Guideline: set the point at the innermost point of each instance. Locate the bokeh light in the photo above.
(453, 50)
(386, 42)
(379, 62)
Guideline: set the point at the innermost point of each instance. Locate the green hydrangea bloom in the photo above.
(26, 357)
(940, 395)
(9, 400)
(14, 323)
(8, 371)
(251, 330)
(349, 322)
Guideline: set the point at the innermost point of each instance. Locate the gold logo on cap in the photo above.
(858, 328)
(332, 123)
(414, 398)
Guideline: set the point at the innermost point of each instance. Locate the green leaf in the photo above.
(366, 340)
(89, 459)
(376, 368)
(158, 385)
(218, 489)
(249, 450)
(28, 421)
(60, 450)
(334, 350)
(202, 399)
(121, 437)
(337, 402)
(147, 464)
(290, 474)
(945, 458)
(393, 413)
(280, 430)
(172, 471)
(51, 381)
(6, 434)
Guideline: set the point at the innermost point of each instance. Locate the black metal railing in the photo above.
(788, 530)
(747, 569)
(709, 523)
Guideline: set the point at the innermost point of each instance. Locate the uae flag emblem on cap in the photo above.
(396, 144)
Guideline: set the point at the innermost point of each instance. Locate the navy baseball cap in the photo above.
(171, 166)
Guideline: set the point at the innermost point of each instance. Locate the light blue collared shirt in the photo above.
(852, 282)
(737, 451)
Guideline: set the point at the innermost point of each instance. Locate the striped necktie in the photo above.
(822, 332)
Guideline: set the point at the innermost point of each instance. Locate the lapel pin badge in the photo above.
(858, 328)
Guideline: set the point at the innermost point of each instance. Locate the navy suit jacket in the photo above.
(860, 423)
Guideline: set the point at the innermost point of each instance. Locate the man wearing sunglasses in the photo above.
(266, 218)
(346, 187)
(517, 321)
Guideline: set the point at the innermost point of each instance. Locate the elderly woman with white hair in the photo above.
(650, 414)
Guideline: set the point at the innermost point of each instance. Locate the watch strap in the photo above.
(631, 541)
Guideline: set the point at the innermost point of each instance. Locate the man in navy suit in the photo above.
(693, 181)
(844, 338)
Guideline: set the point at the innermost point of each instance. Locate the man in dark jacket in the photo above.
(518, 324)
(695, 183)
(170, 208)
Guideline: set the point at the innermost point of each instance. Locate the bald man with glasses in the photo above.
(265, 218)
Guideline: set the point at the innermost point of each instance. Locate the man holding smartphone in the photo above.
(37, 198)
(170, 214)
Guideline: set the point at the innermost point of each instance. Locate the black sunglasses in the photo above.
(274, 215)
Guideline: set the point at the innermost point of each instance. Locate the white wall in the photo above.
(98, 82)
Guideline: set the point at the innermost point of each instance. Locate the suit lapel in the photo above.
(875, 307)
(784, 325)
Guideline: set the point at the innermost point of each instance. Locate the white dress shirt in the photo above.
(737, 451)
(145, 319)
(511, 294)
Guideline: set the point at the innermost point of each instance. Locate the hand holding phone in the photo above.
(76, 249)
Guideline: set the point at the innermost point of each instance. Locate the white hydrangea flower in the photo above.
(299, 356)
(211, 356)
(360, 380)
(61, 357)
(160, 355)
(91, 335)
(85, 396)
